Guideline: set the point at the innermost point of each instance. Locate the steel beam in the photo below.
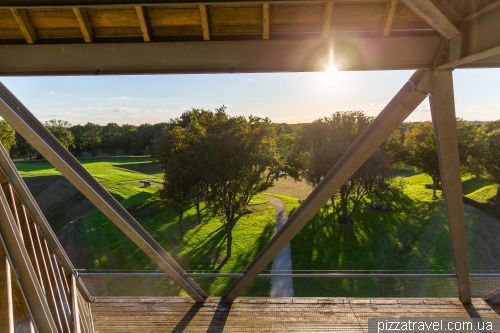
(24, 194)
(439, 14)
(352, 52)
(442, 103)
(389, 119)
(30, 286)
(19, 117)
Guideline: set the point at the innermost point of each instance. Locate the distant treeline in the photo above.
(89, 139)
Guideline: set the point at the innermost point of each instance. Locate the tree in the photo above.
(321, 144)
(174, 149)
(7, 135)
(23, 147)
(127, 135)
(236, 158)
(490, 160)
(60, 129)
(78, 147)
(419, 150)
(92, 137)
(110, 135)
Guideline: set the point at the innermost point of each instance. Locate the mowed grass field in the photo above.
(413, 237)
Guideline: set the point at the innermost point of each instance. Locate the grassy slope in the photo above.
(204, 245)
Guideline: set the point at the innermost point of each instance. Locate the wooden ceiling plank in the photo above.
(204, 22)
(84, 22)
(327, 19)
(266, 12)
(143, 21)
(393, 4)
(25, 25)
(438, 13)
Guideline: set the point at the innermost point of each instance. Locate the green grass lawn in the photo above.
(204, 245)
(414, 237)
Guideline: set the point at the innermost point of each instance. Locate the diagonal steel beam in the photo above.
(19, 186)
(389, 119)
(19, 258)
(24, 122)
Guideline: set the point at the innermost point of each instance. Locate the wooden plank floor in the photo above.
(248, 314)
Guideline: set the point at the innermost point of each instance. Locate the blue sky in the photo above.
(284, 97)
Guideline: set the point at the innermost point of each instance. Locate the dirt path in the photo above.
(282, 263)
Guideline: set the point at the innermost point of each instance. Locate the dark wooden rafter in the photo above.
(144, 23)
(391, 7)
(204, 22)
(25, 25)
(84, 23)
(327, 19)
(266, 16)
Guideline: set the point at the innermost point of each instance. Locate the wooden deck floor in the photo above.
(271, 314)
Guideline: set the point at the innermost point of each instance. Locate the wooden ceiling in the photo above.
(316, 19)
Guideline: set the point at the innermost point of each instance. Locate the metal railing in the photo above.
(304, 283)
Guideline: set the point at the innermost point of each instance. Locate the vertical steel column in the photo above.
(442, 103)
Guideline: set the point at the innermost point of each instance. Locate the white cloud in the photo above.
(52, 92)
(76, 108)
(123, 97)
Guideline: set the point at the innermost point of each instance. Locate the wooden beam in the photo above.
(392, 5)
(6, 303)
(143, 21)
(25, 25)
(204, 22)
(442, 104)
(84, 23)
(438, 14)
(389, 119)
(266, 13)
(76, 311)
(327, 19)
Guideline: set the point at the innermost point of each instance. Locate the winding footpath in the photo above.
(282, 263)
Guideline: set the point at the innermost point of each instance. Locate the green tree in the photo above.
(127, 136)
(92, 137)
(60, 129)
(490, 160)
(78, 147)
(110, 136)
(419, 150)
(322, 143)
(174, 149)
(23, 147)
(7, 135)
(236, 158)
